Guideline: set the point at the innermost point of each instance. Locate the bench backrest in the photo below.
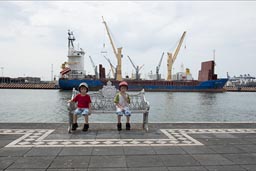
(103, 100)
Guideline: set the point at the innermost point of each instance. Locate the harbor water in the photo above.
(50, 106)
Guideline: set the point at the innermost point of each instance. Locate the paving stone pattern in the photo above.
(206, 147)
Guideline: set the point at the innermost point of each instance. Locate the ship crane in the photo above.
(94, 67)
(171, 59)
(137, 68)
(158, 76)
(108, 74)
(111, 66)
(118, 54)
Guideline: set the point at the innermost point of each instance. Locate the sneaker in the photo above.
(74, 126)
(119, 126)
(128, 126)
(86, 127)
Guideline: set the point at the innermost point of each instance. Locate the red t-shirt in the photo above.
(82, 101)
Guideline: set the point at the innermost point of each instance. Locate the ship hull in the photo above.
(148, 85)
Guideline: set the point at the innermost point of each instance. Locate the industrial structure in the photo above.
(207, 81)
(117, 52)
(158, 75)
(137, 69)
(113, 69)
(171, 58)
(94, 68)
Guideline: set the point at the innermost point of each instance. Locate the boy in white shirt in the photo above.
(122, 101)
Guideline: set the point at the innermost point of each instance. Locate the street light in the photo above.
(2, 68)
(2, 79)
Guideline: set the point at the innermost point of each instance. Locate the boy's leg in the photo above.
(127, 119)
(128, 126)
(74, 125)
(86, 120)
(119, 124)
(119, 118)
(74, 118)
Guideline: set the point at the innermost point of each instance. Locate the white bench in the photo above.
(103, 103)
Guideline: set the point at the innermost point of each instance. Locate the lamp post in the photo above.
(2, 68)
(2, 80)
(52, 72)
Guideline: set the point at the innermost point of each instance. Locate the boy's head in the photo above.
(83, 87)
(123, 86)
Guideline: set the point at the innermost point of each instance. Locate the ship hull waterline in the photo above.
(151, 86)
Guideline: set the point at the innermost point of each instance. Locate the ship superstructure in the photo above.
(74, 67)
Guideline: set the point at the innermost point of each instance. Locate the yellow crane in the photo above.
(171, 59)
(118, 54)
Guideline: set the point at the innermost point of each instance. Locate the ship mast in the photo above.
(117, 53)
(171, 59)
(71, 39)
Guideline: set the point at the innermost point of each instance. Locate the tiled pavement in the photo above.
(180, 146)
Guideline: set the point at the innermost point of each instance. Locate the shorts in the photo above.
(125, 112)
(81, 111)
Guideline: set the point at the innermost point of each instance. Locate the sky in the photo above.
(33, 35)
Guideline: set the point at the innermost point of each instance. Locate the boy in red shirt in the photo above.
(83, 106)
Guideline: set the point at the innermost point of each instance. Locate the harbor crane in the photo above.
(118, 54)
(171, 58)
(113, 69)
(158, 76)
(94, 67)
(108, 74)
(137, 68)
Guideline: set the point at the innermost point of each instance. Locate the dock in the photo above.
(167, 146)
(240, 89)
(28, 86)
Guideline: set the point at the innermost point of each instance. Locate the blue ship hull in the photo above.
(148, 85)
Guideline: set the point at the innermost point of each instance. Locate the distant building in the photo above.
(20, 80)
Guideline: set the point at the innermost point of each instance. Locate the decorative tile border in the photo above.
(174, 137)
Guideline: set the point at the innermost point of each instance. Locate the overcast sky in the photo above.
(34, 35)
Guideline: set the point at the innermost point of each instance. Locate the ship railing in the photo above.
(103, 103)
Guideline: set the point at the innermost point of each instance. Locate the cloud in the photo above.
(34, 34)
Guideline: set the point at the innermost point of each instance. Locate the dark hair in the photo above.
(82, 86)
(123, 86)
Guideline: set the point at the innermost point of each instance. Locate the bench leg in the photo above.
(70, 121)
(145, 121)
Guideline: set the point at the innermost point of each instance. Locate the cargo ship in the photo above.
(72, 74)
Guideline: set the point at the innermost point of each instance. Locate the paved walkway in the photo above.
(167, 146)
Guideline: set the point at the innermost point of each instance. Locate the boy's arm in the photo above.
(128, 99)
(116, 101)
(119, 106)
(73, 100)
(90, 108)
